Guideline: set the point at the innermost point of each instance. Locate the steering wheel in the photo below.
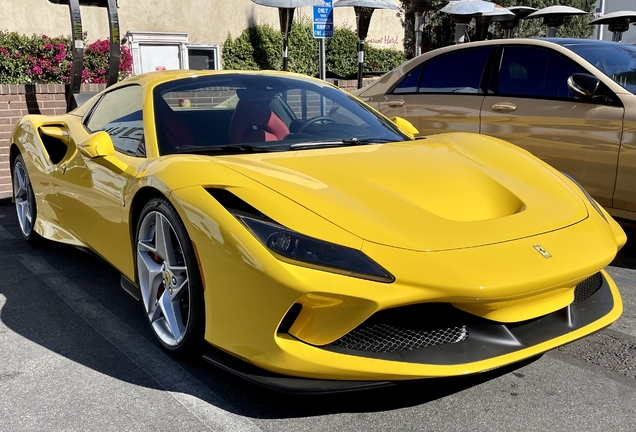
(314, 120)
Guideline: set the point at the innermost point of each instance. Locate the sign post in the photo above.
(323, 28)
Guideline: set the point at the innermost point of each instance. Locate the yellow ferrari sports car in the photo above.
(304, 241)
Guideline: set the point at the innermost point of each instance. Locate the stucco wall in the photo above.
(206, 21)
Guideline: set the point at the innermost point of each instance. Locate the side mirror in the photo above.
(583, 86)
(405, 126)
(99, 147)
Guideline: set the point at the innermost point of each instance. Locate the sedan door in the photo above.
(442, 94)
(529, 105)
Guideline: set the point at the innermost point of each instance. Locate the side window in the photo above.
(119, 113)
(527, 71)
(457, 72)
(408, 84)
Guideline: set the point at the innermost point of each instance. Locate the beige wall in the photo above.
(206, 21)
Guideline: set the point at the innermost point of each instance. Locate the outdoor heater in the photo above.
(462, 11)
(364, 9)
(286, 9)
(618, 23)
(498, 14)
(74, 98)
(520, 12)
(554, 16)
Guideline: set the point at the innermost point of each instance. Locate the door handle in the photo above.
(396, 103)
(504, 107)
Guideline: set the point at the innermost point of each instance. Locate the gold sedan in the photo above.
(571, 102)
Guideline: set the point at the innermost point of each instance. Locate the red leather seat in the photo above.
(254, 121)
(172, 130)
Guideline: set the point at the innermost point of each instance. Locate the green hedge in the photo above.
(260, 48)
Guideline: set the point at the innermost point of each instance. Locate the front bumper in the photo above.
(488, 345)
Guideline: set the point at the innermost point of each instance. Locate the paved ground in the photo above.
(76, 354)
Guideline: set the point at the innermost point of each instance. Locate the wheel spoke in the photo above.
(172, 315)
(163, 240)
(181, 285)
(149, 278)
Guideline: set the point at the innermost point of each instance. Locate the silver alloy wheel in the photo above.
(163, 278)
(23, 194)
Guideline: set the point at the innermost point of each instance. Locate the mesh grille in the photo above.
(391, 338)
(588, 287)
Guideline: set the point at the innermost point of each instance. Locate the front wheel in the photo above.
(24, 199)
(168, 275)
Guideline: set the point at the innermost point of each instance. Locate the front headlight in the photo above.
(300, 249)
(587, 195)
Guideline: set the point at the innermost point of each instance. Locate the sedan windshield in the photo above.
(615, 60)
(247, 113)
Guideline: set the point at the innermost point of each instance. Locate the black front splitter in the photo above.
(288, 384)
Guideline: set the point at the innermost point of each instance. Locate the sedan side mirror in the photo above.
(584, 86)
(405, 126)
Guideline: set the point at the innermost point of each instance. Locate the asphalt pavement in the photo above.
(76, 354)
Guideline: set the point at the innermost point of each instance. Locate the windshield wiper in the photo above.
(337, 143)
(238, 148)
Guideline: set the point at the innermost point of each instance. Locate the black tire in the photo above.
(187, 308)
(24, 199)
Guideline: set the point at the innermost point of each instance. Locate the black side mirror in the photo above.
(584, 86)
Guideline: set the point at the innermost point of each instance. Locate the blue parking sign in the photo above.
(323, 20)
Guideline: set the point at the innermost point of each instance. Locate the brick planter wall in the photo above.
(47, 99)
(19, 100)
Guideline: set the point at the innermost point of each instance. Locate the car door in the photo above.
(442, 94)
(92, 192)
(529, 104)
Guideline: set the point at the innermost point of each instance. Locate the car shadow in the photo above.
(35, 311)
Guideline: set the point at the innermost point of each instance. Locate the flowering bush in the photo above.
(41, 59)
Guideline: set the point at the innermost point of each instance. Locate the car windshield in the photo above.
(615, 60)
(234, 113)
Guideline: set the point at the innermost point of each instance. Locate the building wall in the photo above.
(205, 21)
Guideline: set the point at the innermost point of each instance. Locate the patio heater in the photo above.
(364, 9)
(618, 23)
(420, 8)
(462, 11)
(554, 16)
(483, 21)
(74, 98)
(286, 9)
(520, 12)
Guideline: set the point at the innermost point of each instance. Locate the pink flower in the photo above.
(45, 36)
(17, 55)
(4, 52)
(48, 46)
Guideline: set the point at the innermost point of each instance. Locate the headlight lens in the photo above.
(310, 252)
(588, 196)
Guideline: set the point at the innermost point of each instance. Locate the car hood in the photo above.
(448, 191)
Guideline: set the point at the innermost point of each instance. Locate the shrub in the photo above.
(260, 48)
(42, 59)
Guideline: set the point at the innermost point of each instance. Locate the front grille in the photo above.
(588, 287)
(391, 338)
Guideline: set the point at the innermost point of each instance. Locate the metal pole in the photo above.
(77, 48)
(360, 61)
(617, 36)
(551, 32)
(323, 61)
(115, 48)
(286, 16)
(419, 26)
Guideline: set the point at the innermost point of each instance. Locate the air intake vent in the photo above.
(391, 338)
(589, 286)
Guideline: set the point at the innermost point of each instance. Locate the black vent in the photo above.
(231, 202)
(391, 338)
(589, 286)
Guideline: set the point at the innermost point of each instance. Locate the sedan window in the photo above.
(616, 61)
(527, 71)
